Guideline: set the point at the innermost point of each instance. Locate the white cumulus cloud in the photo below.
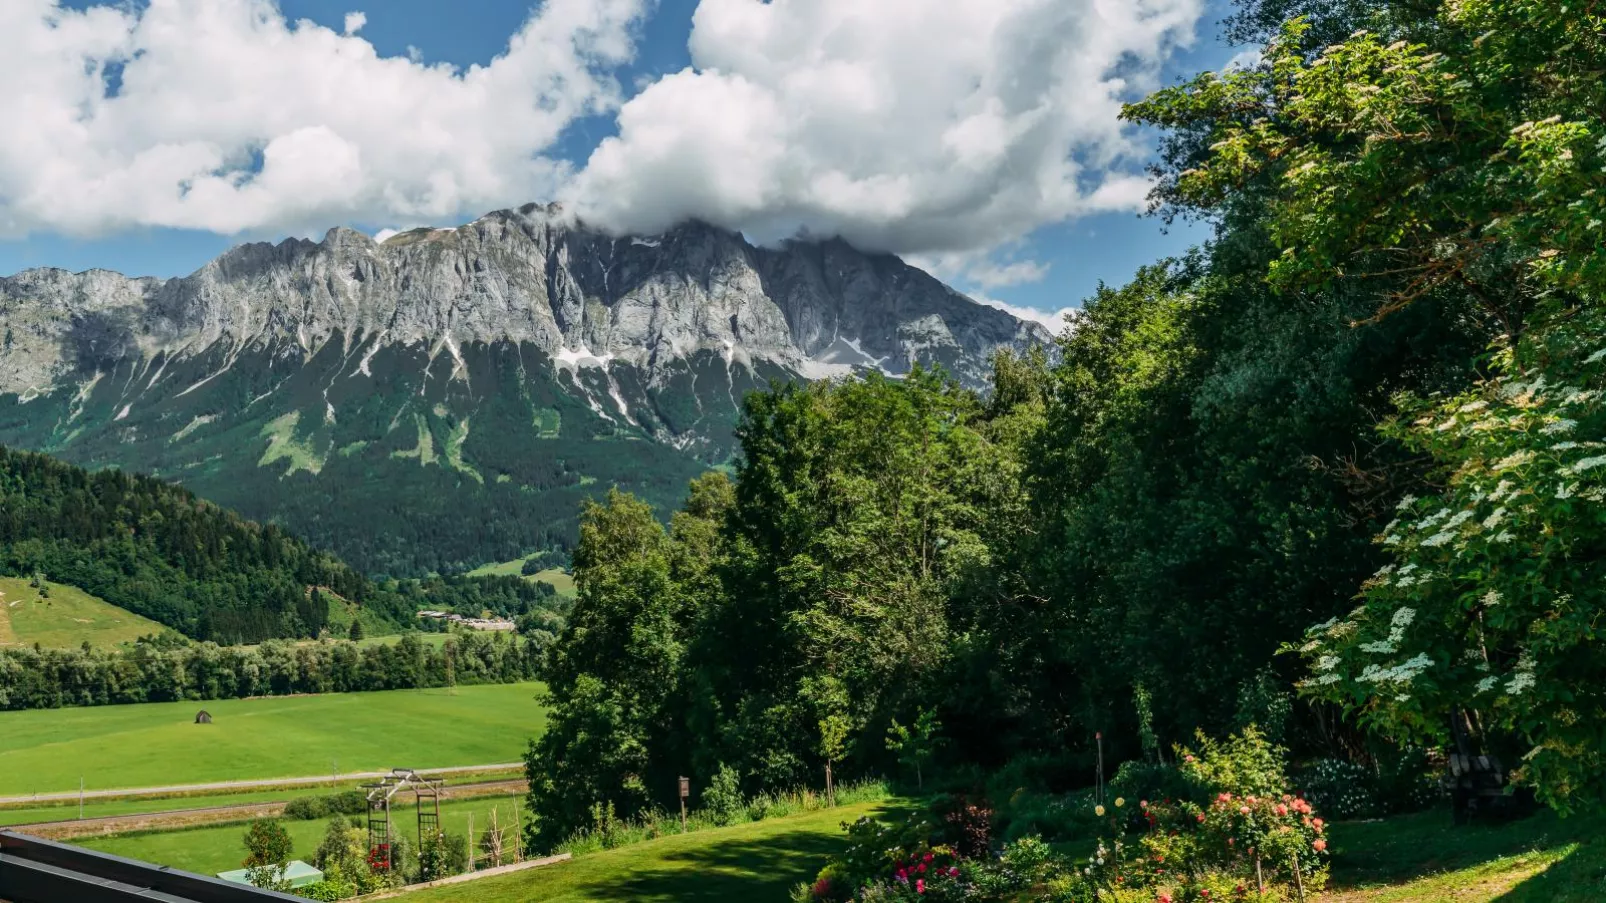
(947, 130)
(907, 126)
(230, 118)
(1053, 320)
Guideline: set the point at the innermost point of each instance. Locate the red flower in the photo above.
(1320, 845)
(953, 871)
(1200, 817)
(921, 868)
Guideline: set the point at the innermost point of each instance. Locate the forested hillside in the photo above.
(1382, 379)
(156, 550)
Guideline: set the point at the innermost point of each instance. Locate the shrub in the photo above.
(1138, 780)
(1340, 788)
(723, 797)
(442, 856)
(310, 808)
(1245, 764)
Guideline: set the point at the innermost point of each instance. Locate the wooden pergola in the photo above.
(400, 780)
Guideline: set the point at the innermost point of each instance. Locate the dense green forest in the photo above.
(156, 550)
(1335, 476)
(171, 669)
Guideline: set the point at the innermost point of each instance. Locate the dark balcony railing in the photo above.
(33, 870)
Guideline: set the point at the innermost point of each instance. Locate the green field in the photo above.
(562, 582)
(159, 744)
(65, 619)
(215, 849)
(106, 808)
(758, 861)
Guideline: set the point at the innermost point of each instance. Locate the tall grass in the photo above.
(610, 832)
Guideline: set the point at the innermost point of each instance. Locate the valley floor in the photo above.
(159, 744)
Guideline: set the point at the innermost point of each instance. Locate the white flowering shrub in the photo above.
(1496, 597)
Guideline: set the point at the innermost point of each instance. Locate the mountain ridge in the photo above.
(513, 357)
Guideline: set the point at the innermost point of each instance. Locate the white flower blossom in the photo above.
(1493, 520)
(1560, 426)
(1403, 617)
(1565, 491)
(1492, 597)
(1584, 464)
(1487, 684)
(1471, 406)
(1405, 503)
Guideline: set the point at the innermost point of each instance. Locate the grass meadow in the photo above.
(158, 744)
(65, 619)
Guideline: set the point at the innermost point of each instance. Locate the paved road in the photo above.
(267, 784)
(111, 824)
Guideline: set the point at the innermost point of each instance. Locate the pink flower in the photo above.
(1319, 845)
(1318, 823)
(953, 871)
(928, 857)
(920, 885)
(1281, 809)
(1200, 816)
(1243, 810)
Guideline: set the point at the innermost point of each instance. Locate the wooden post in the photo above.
(1260, 881)
(80, 797)
(830, 788)
(471, 854)
(1098, 784)
(1299, 880)
(518, 827)
(685, 791)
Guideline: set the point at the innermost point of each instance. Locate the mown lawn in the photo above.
(216, 849)
(747, 863)
(159, 744)
(1423, 858)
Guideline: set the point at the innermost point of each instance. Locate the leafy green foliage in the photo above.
(1490, 601)
(169, 671)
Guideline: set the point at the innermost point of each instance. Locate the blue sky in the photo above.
(1077, 252)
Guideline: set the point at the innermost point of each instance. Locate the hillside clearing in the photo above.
(66, 619)
(157, 744)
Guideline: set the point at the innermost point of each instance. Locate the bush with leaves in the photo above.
(1499, 581)
(722, 798)
(442, 856)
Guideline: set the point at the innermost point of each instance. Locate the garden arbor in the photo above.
(426, 799)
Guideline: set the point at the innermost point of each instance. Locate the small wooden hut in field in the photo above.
(203, 717)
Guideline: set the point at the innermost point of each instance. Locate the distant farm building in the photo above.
(473, 623)
(203, 717)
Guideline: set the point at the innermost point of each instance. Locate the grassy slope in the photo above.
(752, 862)
(1424, 859)
(66, 619)
(215, 849)
(563, 583)
(158, 743)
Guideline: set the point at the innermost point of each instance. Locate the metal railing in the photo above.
(34, 870)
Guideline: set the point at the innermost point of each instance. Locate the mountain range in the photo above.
(447, 397)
